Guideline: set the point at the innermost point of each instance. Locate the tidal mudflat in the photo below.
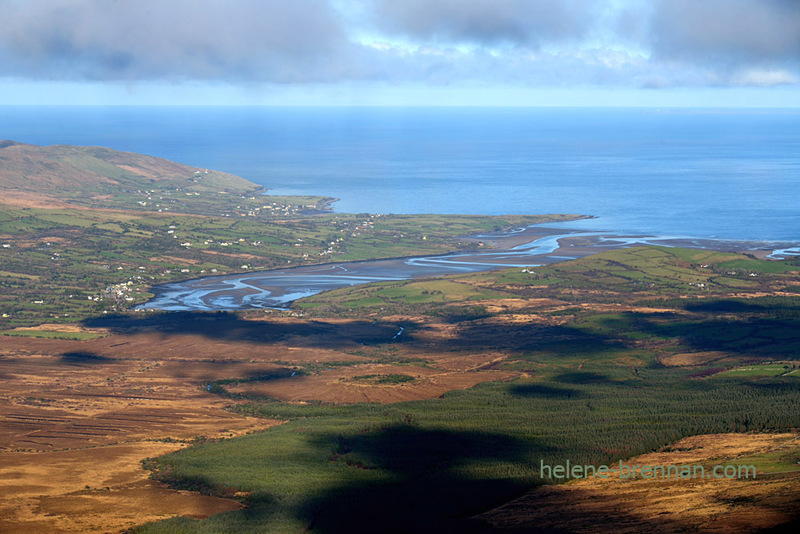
(521, 247)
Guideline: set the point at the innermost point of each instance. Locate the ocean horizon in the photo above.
(727, 174)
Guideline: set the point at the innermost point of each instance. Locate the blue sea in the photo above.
(732, 174)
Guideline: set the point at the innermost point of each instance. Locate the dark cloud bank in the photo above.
(524, 22)
(276, 40)
(676, 42)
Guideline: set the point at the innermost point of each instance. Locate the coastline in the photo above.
(324, 205)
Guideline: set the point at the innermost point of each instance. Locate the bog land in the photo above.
(422, 405)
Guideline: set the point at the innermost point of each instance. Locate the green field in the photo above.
(46, 334)
(397, 294)
(766, 369)
(780, 461)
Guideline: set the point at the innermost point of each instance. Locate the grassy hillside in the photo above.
(66, 170)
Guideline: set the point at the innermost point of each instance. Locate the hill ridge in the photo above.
(66, 171)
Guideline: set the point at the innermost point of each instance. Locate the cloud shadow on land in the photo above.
(581, 377)
(526, 337)
(428, 491)
(83, 358)
(228, 326)
(546, 391)
(470, 335)
(752, 336)
(739, 306)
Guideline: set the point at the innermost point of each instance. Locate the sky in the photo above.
(656, 53)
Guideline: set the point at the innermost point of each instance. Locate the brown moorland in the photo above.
(671, 505)
(78, 417)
